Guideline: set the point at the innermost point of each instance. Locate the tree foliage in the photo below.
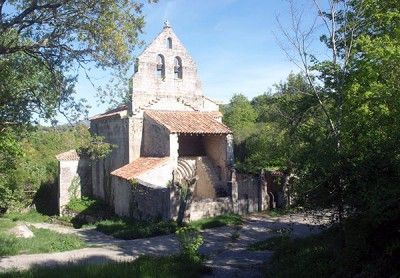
(42, 43)
(240, 116)
(270, 138)
(28, 160)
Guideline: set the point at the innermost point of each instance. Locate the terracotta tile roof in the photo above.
(69, 155)
(110, 113)
(189, 122)
(139, 166)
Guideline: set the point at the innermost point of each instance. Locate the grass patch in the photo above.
(171, 266)
(280, 212)
(79, 205)
(6, 224)
(362, 249)
(272, 243)
(45, 241)
(30, 216)
(313, 256)
(218, 221)
(132, 229)
(84, 211)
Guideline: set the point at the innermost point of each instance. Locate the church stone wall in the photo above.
(135, 137)
(216, 150)
(116, 132)
(155, 140)
(140, 202)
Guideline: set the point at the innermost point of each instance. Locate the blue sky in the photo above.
(232, 42)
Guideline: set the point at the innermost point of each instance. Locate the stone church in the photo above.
(168, 133)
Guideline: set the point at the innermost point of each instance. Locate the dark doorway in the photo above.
(191, 145)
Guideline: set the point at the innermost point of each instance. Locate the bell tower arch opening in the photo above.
(160, 69)
(178, 72)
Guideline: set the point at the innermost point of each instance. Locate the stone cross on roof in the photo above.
(167, 24)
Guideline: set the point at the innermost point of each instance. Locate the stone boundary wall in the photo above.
(146, 202)
(74, 181)
(248, 193)
(209, 208)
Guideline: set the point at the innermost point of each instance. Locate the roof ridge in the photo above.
(111, 112)
(68, 155)
(145, 164)
(191, 122)
(149, 104)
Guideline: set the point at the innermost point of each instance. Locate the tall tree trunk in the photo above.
(186, 198)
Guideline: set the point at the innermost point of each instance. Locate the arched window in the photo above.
(160, 69)
(178, 72)
(169, 43)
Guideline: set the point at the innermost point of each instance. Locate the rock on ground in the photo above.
(21, 230)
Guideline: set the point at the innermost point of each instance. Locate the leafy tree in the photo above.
(240, 116)
(265, 149)
(10, 149)
(263, 104)
(372, 107)
(42, 46)
(274, 139)
(43, 42)
(348, 159)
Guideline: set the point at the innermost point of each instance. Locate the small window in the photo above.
(169, 43)
(178, 68)
(160, 68)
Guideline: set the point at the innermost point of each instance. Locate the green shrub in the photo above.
(190, 241)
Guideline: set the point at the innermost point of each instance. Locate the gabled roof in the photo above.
(189, 122)
(110, 113)
(138, 167)
(69, 155)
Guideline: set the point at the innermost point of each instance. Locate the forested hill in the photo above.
(29, 163)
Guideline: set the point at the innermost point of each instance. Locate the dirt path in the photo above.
(225, 247)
